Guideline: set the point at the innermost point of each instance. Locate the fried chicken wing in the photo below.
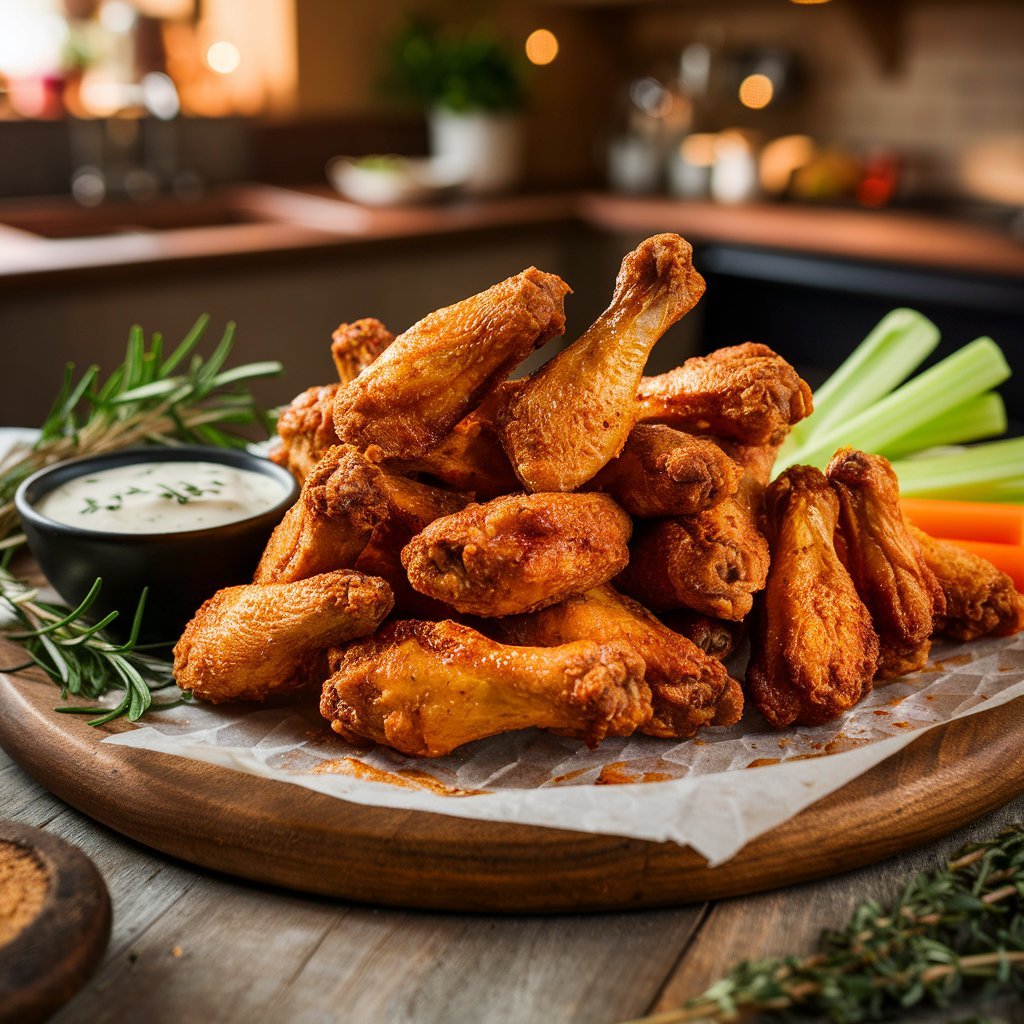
(813, 649)
(745, 393)
(355, 346)
(663, 472)
(712, 562)
(305, 430)
(689, 690)
(520, 552)
(259, 640)
(425, 688)
(885, 562)
(576, 412)
(432, 375)
(341, 502)
(980, 600)
(715, 637)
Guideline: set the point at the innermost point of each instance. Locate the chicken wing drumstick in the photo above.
(305, 430)
(259, 640)
(662, 472)
(575, 413)
(520, 552)
(355, 346)
(746, 393)
(712, 562)
(689, 690)
(425, 688)
(813, 649)
(885, 562)
(412, 395)
(980, 600)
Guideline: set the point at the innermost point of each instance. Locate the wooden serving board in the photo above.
(291, 836)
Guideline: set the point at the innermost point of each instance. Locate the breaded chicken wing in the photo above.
(885, 562)
(355, 346)
(576, 412)
(689, 690)
(520, 552)
(341, 502)
(715, 637)
(260, 640)
(663, 472)
(305, 430)
(813, 649)
(712, 562)
(426, 688)
(745, 393)
(432, 375)
(980, 600)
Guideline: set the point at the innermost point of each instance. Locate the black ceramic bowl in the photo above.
(181, 569)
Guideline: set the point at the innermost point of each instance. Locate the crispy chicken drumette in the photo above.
(575, 413)
(355, 346)
(813, 649)
(426, 688)
(885, 562)
(259, 640)
(520, 552)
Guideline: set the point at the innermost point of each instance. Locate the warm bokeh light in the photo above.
(781, 157)
(223, 57)
(756, 91)
(698, 149)
(808, 3)
(541, 46)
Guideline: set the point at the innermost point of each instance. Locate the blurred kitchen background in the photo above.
(289, 164)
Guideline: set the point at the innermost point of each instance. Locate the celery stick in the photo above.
(975, 368)
(902, 340)
(974, 420)
(973, 473)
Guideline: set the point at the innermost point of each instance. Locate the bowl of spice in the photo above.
(180, 523)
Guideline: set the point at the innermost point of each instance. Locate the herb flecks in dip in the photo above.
(161, 497)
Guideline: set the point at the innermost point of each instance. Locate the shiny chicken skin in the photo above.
(814, 651)
(745, 393)
(885, 562)
(437, 371)
(260, 640)
(575, 413)
(519, 553)
(980, 600)
(341, 502)
(712, 562)
(355, 346)
(663, 472)
(425, 688)
(689, 690)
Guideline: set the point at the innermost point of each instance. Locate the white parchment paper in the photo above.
(714, 793)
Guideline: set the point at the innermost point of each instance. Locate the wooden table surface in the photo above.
(190, 945)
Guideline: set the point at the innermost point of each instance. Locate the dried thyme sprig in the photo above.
(955, 930)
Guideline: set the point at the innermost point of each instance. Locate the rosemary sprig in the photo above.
(151, 397)
(954, 930)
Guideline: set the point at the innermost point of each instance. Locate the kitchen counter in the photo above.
(269, 221)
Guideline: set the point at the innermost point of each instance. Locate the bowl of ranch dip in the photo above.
(183, 522)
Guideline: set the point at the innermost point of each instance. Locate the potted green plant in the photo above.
(472, 89)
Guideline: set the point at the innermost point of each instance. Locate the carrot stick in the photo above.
(1009, 558)
(967, 520)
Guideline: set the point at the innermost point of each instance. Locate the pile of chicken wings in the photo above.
(580, 549)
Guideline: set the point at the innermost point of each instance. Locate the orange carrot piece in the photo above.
(967, 520)
(1009, 558)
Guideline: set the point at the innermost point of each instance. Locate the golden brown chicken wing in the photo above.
(305, 430)
(712, 562)
(354, 346)
(715, 637)
(520, 552)
(689, 690)
(746, 393)
(341, 502)
(663, 472)
(813, 649)
(259, 640)
(885, 562)
(980, 600)
(426, 688)
(432, 375)
(576, 412)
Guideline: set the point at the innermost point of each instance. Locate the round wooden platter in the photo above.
(290, 836)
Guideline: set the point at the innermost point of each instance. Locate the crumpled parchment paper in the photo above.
(714, 793)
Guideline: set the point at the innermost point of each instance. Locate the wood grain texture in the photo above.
(290, 836)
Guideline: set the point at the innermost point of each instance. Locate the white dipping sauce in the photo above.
(161, 497)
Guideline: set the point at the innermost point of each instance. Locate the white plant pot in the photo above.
(484, 150)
